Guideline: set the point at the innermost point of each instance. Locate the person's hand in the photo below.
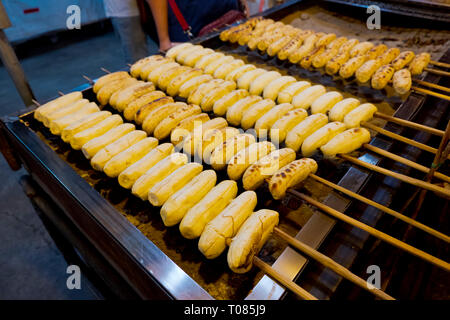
(245, 8)
(166, 45)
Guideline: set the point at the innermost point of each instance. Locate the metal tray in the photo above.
(157, 262)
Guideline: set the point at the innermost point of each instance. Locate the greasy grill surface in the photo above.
(213, 275)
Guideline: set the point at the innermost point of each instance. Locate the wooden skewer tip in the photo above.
(440, 64)
(105, 70)
(383, 208)
(331, 264)
(88, 79)
(282, 279)
(372, 231)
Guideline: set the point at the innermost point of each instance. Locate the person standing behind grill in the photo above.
(126, 21)
(197, 13)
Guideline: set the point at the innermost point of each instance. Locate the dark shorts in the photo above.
(198, 13)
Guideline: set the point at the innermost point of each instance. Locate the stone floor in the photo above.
(32, 265)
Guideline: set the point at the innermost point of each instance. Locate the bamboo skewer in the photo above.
(282, 279)
(432, 85)
(325, 260)
(440, 64)
(330, 263)
(409, 124)
(399, 176)
(437, 161)
(438, 72)
(88, 79)
(405, 161)
(399, 137)
(374, 232)
(431, 93)
(383, 208)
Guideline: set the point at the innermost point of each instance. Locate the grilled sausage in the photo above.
(83, 124)
(306, 97)
(161, 191)
(382, 76)
(402, 81)
(362, 113)
(361, 49)
(325, 102)
(304, 129)
(178, 204)
(365, 72)
(246, 157)
(265, 167)
(157, 171)
(100, 158)
(219, 231)
(346, 142)
(340, 109)
(208, 208)
(333, 66)
(290, 91)
(320, 137)
(250, 239)
(403, 60)
(332, 50)
(282, 126)
(349, 68)
(264, 123)
(290, 176)
(419, 63)
(117, 164)
(128, 177)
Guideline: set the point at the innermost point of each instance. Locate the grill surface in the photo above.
(342, 244)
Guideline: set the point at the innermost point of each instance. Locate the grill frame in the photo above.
(140, 262)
